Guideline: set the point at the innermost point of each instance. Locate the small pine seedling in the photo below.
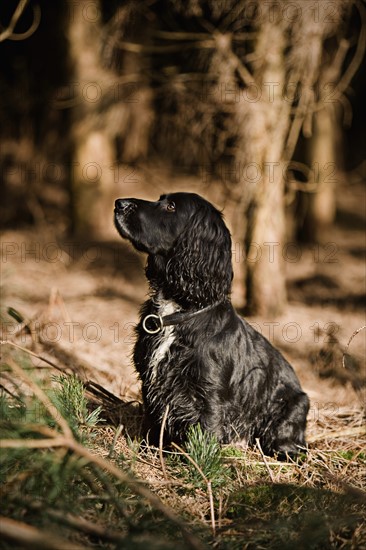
(205, 450)
(72, 403)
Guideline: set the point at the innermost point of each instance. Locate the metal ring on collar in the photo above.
(157, 318)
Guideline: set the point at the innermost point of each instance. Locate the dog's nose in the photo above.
(124, 204)
(120, 204)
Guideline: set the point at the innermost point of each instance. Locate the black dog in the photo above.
(193, 353)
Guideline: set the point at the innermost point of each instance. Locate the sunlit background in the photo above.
(257, 106)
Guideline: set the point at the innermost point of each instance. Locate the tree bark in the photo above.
(320, 206)
(266, 291)
(93, 148)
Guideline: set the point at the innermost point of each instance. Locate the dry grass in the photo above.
(260, 503)
(249, 501)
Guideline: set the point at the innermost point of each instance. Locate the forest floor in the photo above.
(84, 297)
(80, 302)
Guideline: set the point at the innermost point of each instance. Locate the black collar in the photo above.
(172, 319)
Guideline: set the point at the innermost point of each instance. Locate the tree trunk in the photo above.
(93, 148)
(266, 291)
(94, 187)
(320, 205)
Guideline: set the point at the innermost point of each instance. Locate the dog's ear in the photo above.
(199, 266)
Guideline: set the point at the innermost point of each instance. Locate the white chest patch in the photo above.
(164, 339)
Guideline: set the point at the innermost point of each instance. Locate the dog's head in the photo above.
(188, 244)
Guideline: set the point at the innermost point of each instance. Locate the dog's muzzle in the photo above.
(124, 206)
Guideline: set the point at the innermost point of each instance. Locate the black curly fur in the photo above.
(213, 369)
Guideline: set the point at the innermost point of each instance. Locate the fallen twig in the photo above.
(264, 460)
(68, 441)
(31, 537)
(161, 441)
(348, 343)
(10, 343)
(206, 480)
(43, 398)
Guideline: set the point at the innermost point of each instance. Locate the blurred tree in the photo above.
(223, 89)
(333, 112)
(33, 131)
(108, 105)
(294, 60)
(93, 147)
(236, 84)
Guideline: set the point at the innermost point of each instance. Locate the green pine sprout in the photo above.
(72, 403)
(205, 450)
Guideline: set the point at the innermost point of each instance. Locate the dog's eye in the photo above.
(170, 206)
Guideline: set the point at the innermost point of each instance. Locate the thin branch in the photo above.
(116, 436)
(31, 537)
(78, 523)
(295, 128)
(85, 526)
(182, 36)
(161, 441)
(14, 20)
(12, 395)
(348, 343)
(8, 33)
(359, 54)
(40, 357)
(70, 443)
(138, 489)
(54, 412)
(34, 443)
(135, 47)
(32, 29)
(191, 460)
(212, 507)
(30, 427)
(265, 460)
(222, 45)
(176, 35)
(206, 480)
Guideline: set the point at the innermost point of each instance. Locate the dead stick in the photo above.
(99, 461)
(161, 441)
(103, 464)
(137, 488)
(9, 343)
(82, 524)
(208, 483)
(29, 536)
(265, 460)
(348, 343)
(40, 394)
(33, 443)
